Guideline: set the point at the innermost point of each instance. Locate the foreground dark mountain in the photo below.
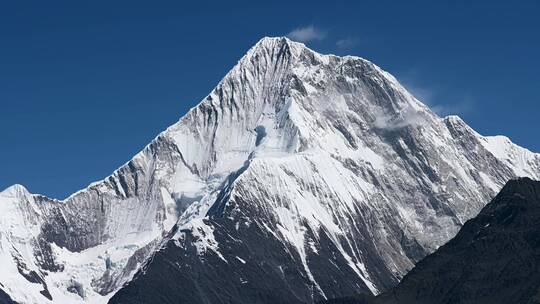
(495, 258)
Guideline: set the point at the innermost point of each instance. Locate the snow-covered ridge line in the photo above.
(521, 159)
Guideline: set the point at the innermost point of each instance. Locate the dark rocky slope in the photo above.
(269, 274)
(5, 298)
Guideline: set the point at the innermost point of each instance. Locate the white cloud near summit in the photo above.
(306, 34)
(346, 43)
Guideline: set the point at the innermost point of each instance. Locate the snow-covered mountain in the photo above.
(300, 177)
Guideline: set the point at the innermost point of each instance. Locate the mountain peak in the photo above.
(271, 40)
(326, 163)
(276, 47)
(16, 190)
(277, 42)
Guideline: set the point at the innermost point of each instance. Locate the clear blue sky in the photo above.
(84, 85)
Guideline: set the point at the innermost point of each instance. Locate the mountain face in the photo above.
(300, 177)
(495, 257)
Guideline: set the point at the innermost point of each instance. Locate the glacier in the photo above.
(324, 166)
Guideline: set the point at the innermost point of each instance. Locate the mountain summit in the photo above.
(300, 177)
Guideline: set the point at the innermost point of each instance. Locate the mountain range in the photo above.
(301, 177)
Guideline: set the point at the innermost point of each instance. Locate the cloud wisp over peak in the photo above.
(443, 101)
(306, 34)
(346, 43)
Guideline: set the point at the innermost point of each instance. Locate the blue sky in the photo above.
(86, 85)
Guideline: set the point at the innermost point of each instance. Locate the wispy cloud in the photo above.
(405, 117)
(306, 34)
(421, 93)
(440, 100)
(458, 108)
(346, 43)
(454, 104)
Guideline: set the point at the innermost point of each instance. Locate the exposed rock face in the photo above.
(300, 177)
(5, 298)
(495, 257)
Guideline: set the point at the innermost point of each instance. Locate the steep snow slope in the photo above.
(321, 172)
